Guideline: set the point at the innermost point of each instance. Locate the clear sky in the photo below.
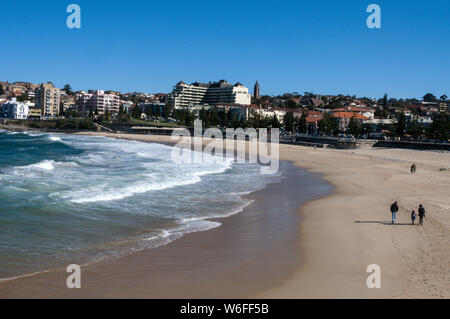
(319, 46)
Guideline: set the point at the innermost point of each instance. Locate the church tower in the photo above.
(256, 90)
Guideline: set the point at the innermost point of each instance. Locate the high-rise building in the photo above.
(198, 94)
(256, 90)
(47, 99)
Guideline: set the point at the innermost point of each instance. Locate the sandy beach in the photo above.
(326, 256)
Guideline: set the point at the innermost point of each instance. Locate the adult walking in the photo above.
(394, 210)
(421, 214)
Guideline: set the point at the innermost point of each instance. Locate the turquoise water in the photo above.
(77, 199)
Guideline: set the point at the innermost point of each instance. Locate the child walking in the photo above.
(413, 217)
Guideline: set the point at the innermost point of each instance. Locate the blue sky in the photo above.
(319, 46)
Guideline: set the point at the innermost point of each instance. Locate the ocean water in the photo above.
(78, 199)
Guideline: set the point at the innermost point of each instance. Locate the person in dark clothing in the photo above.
(413, 217)
(413, 168)
(394, 210)
(421, 214)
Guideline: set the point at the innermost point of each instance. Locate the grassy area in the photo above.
(56, 124)
(156, 124)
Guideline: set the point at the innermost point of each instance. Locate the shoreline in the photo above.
(342, 233)
(244, 247)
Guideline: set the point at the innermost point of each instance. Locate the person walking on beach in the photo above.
(421, 214)
(394, 210)
(413, 217)
(413, 168)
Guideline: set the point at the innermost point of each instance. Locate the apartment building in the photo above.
(48, 99)
(197, 94)
(67, 102)
(97, 100)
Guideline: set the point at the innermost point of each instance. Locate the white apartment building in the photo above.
(15, 110)
(199, 94)
(97, 100)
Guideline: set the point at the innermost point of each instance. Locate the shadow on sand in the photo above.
(383, 223)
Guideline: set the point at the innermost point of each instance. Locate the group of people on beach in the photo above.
(421, 213)
(421, 210)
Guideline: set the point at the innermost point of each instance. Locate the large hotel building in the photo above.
(201, 94)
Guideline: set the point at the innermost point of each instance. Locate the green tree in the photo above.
(367, 128)
(122, 115)
(235, 119)
(68, 89)
(96, 111)
(2, 90)
(215, 117)
(400, 124)
(136, 112)
(384, 102)
(328, 125)
(189, 118)
(444, 98)
(429, 97)
(303, 125)
(149, 111)
(440, 128)
(204, 117)
(290, 104)
(107, 115)
(415, 129)
(289, 122)
(383, 114)
(91, 114)
(166, 110)
(274, 121)
(158, 111)
(354, 127)
(23, 97)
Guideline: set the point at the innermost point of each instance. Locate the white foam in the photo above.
(55, 138)
(137, 188)
(107, 193)
(46, 165)
(33, 134)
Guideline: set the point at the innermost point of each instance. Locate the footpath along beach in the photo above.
(338, 236)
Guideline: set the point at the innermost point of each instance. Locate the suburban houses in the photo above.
(219, 103)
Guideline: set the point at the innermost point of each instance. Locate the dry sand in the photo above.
(341, 234)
